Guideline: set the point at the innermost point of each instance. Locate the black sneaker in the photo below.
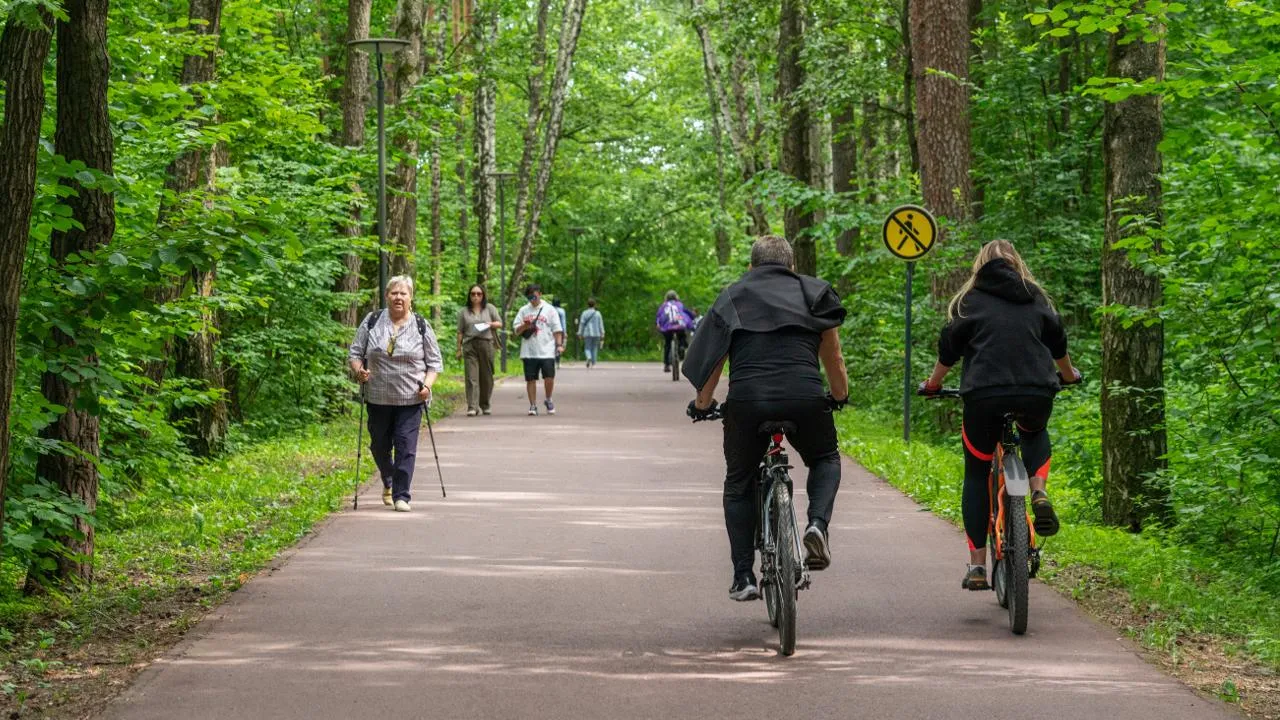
(975, 578)
(817, 553)
(744, 588)
(1046, 520)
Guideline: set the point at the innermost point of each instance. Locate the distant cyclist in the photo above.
(1005, 327)
(674, 322)
(773, 326)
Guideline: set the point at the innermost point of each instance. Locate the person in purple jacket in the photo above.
(674, 322)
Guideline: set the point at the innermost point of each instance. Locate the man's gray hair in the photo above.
(772, 250)
(671, 295)
(400, 280)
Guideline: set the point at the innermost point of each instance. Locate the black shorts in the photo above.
(532, 366)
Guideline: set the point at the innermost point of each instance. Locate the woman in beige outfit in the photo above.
(478, 324)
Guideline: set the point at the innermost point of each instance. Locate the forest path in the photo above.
(579, 569)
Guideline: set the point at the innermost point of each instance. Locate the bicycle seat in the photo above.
(769, 427)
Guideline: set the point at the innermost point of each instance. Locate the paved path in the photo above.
(579, 569)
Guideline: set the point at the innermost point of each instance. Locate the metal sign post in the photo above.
(909, 233)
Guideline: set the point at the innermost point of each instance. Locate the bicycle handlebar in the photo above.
(955, 392)
(715, 412)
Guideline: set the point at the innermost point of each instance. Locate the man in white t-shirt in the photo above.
(542, 338)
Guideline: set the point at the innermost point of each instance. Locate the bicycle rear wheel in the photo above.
(1015, 564)
(787, 567)
(675, 359)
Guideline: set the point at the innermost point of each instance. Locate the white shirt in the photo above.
(542, 344)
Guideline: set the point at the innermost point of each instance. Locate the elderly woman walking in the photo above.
(478, 324)
(396, 357)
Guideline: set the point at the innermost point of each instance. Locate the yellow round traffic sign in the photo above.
(909, 232)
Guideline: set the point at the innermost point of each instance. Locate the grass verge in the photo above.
(1207, 622)
(167, 555)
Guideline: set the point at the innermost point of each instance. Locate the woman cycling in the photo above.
(1005, 327)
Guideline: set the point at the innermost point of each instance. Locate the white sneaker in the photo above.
(402, 506)
(533, 409)
(473, 412)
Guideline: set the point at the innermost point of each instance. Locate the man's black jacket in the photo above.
(765, 299)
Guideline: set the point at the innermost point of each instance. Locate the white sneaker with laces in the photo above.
(402, 506)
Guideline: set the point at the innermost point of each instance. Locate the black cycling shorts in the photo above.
(533, 366)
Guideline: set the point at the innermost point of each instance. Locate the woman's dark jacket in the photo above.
(1008, 335)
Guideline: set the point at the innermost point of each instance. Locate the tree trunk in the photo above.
(1133, 422)
(205, 426)
(537, 109)
(908, 87)
(23, 51)
(940, 44)
(355, 101)
(871, 163)
(484, 185)
(570, 28)
(459, 24)
(434, 61)
(795, 134)
(83, 134)
(402, 195)
(844, 167)
(735, 122)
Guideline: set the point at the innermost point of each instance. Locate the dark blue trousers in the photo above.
(393, 441)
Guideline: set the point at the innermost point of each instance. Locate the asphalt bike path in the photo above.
(579, 569)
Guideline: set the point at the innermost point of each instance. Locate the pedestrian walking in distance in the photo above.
(591, 330)
(541, 339)
(396, 356)
(478, 324)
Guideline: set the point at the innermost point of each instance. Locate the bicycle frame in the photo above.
(997, 485)
(773, 470)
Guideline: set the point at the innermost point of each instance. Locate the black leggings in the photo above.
(983, 423)
(667, 337)
(744, 446)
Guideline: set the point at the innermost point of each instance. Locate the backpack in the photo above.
(372, 320)
(673, 315)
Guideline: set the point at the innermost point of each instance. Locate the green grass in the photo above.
(1175, 590)
(178, 546)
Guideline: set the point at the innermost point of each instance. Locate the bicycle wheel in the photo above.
(769, 589)
(786, 567)
(675, 359)
(1018, 537)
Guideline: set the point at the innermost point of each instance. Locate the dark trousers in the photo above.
(393, 441)
(983, 423)
(815, 440)
(667, 337)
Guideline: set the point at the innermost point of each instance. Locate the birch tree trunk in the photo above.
(355, 101)
(795, 134)
(83, 134)
(537, 109)
(1134, 442)
(571, 27)
(23, 51)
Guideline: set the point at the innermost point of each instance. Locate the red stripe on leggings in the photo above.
(969, 446)
(1043, 472)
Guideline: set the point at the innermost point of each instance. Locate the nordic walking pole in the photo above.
(426, 409)
(355, 493)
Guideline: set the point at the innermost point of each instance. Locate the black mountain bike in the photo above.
(782, 572)
(675, 355)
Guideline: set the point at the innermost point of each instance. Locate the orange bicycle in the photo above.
(1011, 534)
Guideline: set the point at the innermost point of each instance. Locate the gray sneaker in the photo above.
(551, 407)
(533, 409)
(817, 553)
(744, 588)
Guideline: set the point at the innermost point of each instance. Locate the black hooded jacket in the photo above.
(1008, 335)
(770, 323)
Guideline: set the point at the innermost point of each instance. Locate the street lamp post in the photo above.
(577, 296)
(380, 47)
(502, 178)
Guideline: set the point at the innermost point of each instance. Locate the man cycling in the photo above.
(773, 326)
(674, 322)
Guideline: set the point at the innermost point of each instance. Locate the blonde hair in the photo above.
(995, 250)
